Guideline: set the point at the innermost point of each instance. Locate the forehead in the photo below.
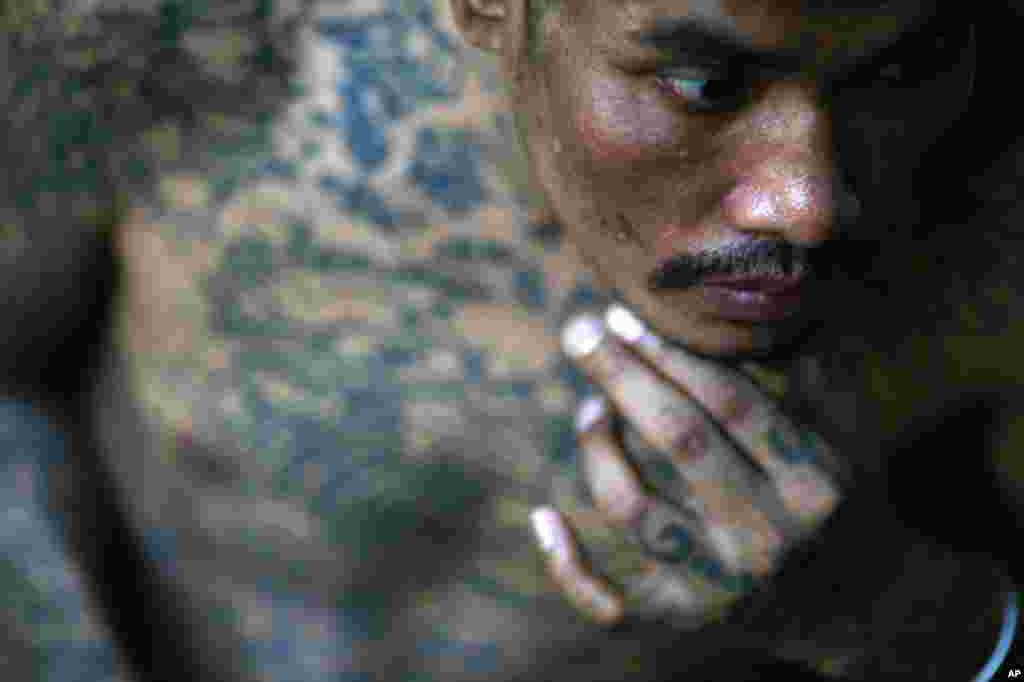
(825, 27)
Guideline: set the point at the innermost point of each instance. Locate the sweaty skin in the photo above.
(612, 133)
(621, 126)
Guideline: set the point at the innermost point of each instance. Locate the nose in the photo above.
(784, 179)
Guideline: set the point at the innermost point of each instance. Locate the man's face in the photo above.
(707, 156)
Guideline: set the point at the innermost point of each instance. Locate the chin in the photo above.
(740, 342)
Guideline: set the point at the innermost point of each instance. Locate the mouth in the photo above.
(753, 298)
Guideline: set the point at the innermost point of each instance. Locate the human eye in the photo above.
(705, 91)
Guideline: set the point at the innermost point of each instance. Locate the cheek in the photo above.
(614, 123)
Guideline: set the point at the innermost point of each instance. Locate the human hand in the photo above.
(701, 506)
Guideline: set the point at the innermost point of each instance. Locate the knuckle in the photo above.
(591, 598)
(766, 556)
(761, 543)
(626, 508)
(614, 363)
(687, 438)
(615, 490)
(606, 609)
(808, 498)
(730, 404)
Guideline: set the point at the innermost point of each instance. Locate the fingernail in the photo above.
(582, 336)
(624, 324)
(628, 327)
(589, 412)
(547, 528)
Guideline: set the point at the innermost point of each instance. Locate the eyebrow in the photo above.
(699, 40)
(704, 41)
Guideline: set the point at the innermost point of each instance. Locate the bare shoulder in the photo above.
(334, 389)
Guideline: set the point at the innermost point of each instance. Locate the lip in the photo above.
(754, 298)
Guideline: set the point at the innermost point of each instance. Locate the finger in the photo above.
(677, 536)
(620, 486)
(644, 585)
(615, 488)
(718, 476)
(588, 592)
(797, 460)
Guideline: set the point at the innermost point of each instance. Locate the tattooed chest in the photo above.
(320, 401)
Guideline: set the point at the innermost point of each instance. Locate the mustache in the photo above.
(763, 257)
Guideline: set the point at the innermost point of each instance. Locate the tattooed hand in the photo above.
(719, 487)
